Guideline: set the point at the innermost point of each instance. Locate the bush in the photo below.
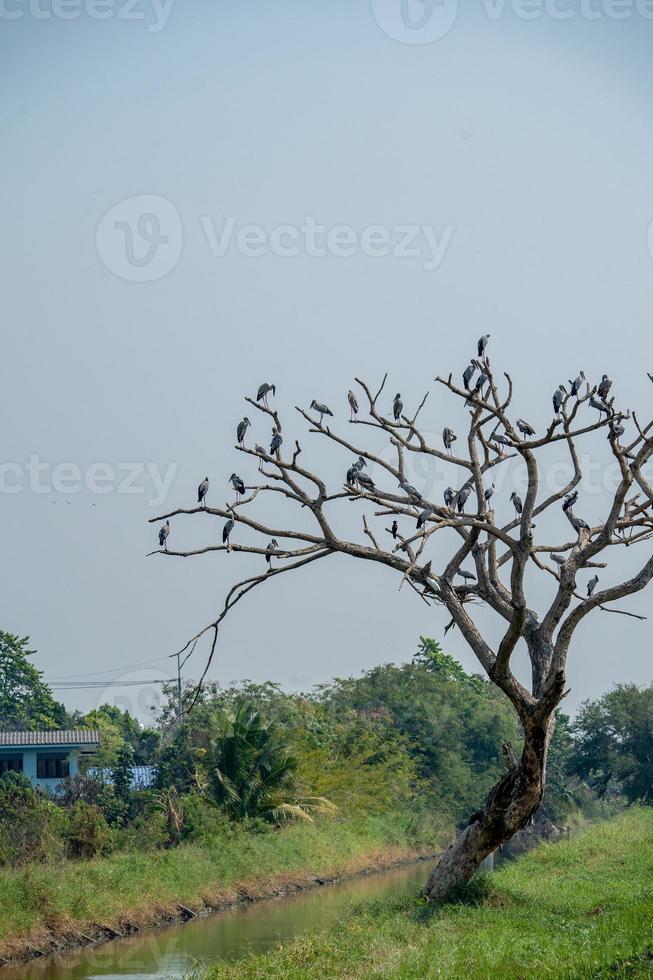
(26, 822)
(85, 832)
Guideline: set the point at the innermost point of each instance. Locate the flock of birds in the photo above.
(455, 501)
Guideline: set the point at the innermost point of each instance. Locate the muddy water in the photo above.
(174, 951)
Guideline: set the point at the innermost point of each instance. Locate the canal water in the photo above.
(171, 953)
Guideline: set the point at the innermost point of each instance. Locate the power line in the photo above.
(83, 685)
(110, 670)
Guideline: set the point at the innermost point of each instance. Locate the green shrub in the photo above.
(85, 832)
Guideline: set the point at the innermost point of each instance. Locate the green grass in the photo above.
(580, 908)
(135, 886)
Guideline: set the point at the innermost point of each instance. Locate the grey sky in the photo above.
(523, 146)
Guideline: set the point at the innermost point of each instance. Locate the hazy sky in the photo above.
(140, 141)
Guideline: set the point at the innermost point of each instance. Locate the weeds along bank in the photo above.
(578, 909)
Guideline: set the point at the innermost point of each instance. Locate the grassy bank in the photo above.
(45, 905)
(580, 908)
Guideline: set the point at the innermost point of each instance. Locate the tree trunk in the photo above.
(509, 807)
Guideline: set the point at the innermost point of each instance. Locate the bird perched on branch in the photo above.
(163, 535)
(322, 409)
(264, 391)
(578, 523)
(410, 490)
(570, 500)
(481, 381)
(558, 559)
(617, 431)
(603, 389)
(237, 484)
(424, 516)
(202, 491)
(261, 451)
(241, 431)
(559, 396)
(395, 528)
(501, 439)
(591, 585)
(461, 499)
(353, 405)
(577, 384)
(517, 502)
(449, 496)
(468, 374)
(466, 575)
(365, 481)
(397, 407)
(277, 439)
(525, 428)
(488, 492)
(448, 438)
(226, 531)
(482, 343)
(269, 551)
(599, 404)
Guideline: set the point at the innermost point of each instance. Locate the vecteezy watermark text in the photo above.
(44, 477)
(426, 21)
(154, 13)
(317, 240)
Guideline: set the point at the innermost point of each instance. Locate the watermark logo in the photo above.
(154, 13)
(415, 21)
(140, 238)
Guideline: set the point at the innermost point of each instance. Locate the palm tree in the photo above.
(251, 772)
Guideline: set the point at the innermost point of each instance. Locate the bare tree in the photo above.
(500, 555)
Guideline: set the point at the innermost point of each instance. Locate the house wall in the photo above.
(29, 754)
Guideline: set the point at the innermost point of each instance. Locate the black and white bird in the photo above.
(424, 516)
(591, 585)
(603, 389)
(410, 490)
(395, 528)
(353, 405)
(226, 531)
(599, 404)
(352, 474)
(570, 500)
(468, 374)
(501, 439)
(577, 384)
(525, 428)
(163, 535)
(241, 431)
(448, 438)
(322, 409)
(202, 491)
(578, 523)
(449, 496)
(481, 381)
(264, 391)
(466, 575)
(277, 439)
(397, 407)
(270, 550)
(559, 396)
(517, 502)
(558, 559)
(461, 499)
(365, 481)
(261, 451)
(617, 431)
(482, 343)
(488, 492)
(237, 484)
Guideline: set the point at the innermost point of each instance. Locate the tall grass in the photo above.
(578, 909)
(137, 885)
